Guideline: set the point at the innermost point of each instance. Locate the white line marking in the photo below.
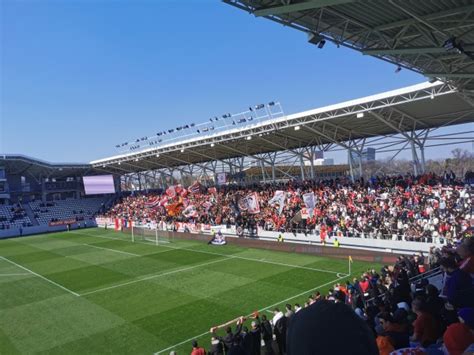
(23, 274)
(136, 241)
(114, 250)
(225, 255)
(261, 310)
(153, 276)
(40, 276)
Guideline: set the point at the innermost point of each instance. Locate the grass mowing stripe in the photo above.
(40, 276)
(153, 276)
(114, 250)
(225, 255)
(260, 310)
(122, 240)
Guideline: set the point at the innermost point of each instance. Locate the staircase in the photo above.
(29, 212)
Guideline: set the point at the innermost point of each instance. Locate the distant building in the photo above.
(321, 162)
(367, 155)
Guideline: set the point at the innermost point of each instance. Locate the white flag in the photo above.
(309, 202)
(253, 206)
(279, 199)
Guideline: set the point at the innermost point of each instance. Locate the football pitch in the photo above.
(94, 291)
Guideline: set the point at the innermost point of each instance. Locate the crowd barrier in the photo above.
(369, 244)
(15, 232)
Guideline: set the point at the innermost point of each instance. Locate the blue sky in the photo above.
(79, 76)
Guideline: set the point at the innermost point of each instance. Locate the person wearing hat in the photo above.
(217, 348)
(459, 336)
(196, 349)
(327, 328)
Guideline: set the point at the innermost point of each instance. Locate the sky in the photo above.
(80, 76)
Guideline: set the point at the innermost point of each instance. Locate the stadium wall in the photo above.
(318, 250)
(15, 232)
(381, 245)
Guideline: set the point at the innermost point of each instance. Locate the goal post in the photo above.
(144, 234)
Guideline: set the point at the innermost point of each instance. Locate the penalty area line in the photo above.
(114, 250)
(154, 276)
(226, 255)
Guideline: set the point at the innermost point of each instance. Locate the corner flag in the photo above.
(350, 259)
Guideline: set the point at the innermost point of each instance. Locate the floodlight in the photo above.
(182, 150)
(360, 115)
(212, 144)
(272, 103)
(398, 70)
(297, 128)
(157, 155)
(321, 43)
(314, 38)
(249, 138)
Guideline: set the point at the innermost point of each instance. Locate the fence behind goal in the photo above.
(143, 234)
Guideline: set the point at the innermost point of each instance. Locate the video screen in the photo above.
(99, 184)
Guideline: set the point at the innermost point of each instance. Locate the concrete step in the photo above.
(29, 212)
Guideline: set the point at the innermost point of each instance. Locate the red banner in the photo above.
(62, 222)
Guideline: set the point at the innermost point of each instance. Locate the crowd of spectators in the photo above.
(426, 208)
(382, 312)
(16, 216)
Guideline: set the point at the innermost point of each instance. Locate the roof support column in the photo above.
(350, 160)
(302, 168)
(414, 158)
(262, 165)
(272, 158)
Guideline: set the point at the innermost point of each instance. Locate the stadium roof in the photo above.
(420, 107)
(434, 38)
(22, 164)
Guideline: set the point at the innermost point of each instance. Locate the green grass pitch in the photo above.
(94, 291)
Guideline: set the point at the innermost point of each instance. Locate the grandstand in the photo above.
(13, 216)
(80, 209)
(347, 250)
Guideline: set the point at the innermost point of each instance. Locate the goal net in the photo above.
(143, 234)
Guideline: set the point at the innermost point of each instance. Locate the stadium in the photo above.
(239, 234)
